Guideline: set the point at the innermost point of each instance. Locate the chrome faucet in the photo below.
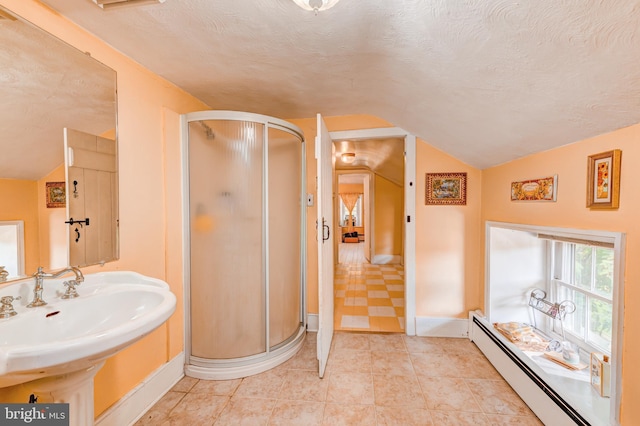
(41, 275)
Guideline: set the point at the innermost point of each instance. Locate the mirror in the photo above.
(47, 86)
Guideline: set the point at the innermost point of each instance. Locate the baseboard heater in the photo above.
(550, 406)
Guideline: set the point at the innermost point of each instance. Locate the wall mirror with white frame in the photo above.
(583, 268)
(47, 86)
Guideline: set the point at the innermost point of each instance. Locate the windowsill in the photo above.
(574, 386)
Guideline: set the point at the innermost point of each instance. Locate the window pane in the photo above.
(11, 240)
(600, 323)
(574, 322)
(344, 214)
(604, 272)
(357, 212)
(582, 266)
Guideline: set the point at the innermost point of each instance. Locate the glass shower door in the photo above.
(285, 234)
(228, 318)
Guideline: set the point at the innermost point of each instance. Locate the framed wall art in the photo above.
(55, 194)
(600, 373)
(446, 189)
(603, 180)
(544, 189)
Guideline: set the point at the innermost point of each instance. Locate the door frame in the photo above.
(409, 209)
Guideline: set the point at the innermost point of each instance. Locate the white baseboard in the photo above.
(135, 403)
(386, 259)
(442, 327)
(312, 322)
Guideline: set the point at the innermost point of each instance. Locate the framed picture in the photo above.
(56, 194)
(603, 180)
(600, 373)
(446, 189)
(544, 189)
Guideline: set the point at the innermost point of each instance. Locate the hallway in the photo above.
(367, 297)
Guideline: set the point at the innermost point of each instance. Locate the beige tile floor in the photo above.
(367, 297)
(372, 379)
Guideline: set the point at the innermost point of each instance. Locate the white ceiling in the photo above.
(487, 81)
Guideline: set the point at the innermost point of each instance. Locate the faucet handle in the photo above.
(6, 309)
(71, 292)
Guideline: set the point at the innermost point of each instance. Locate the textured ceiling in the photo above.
(45, 86)
(484, 80)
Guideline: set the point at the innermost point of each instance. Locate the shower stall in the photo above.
(245, 242)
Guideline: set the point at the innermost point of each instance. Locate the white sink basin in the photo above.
(114, 310)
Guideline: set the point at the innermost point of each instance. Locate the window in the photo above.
(356, 213)
(581, 265)
(12, 247)
(583, 274)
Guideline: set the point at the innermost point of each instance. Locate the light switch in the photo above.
(310, 200)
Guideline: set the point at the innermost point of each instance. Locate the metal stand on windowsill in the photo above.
(557, 311)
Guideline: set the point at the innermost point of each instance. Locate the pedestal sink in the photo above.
(58, 348)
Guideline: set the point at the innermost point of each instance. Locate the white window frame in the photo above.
(19, 249)
(618, 240)
(563, 264)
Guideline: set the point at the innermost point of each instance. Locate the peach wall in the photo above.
(44, 228)
(387, 218)
(23, 206)
(351, 187)
(173, 225)
(569, 163)
(448, 242)
(54, 235)
(147, 218)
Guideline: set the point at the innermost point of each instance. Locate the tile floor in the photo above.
(372, 379)
(367, 297)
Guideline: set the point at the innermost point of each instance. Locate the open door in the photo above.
(92, 197)
(324, 179)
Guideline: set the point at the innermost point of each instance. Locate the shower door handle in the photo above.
(325, 227)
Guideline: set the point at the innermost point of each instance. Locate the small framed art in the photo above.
(603, 180)
(544, 189)
(56, 194)
(600, 373)
(446, 189)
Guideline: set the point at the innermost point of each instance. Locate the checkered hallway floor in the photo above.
(367, 297)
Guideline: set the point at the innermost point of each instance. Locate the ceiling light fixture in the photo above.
(348, 157)
(316, 5)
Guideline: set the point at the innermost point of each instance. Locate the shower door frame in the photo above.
(221, 369)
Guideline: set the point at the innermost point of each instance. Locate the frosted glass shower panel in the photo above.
(285, 205)
(226, 187)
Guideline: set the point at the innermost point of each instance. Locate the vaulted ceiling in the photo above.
(487, 81)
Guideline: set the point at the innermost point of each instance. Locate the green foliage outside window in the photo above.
(591, 276)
